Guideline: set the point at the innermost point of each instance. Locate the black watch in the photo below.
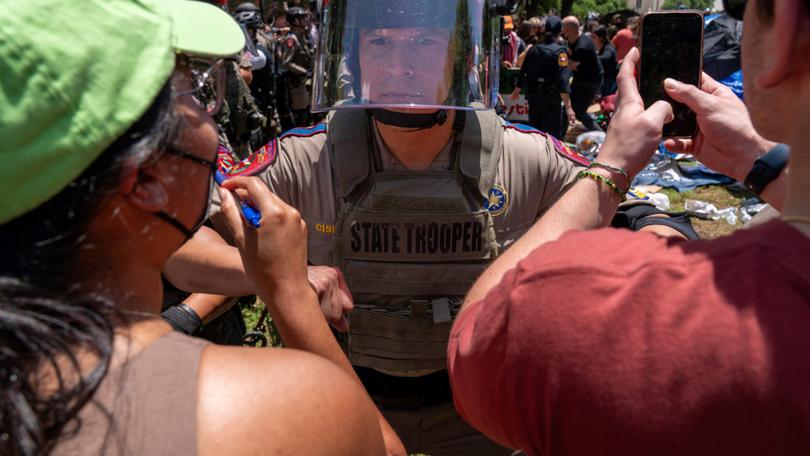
(767, 168)
(183, 318)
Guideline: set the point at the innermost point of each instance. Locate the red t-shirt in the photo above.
(623, 42)
(614, 342)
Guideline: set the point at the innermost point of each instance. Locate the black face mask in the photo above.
(212, 165)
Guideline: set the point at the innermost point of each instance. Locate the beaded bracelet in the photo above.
(600, 178)
(615, 169)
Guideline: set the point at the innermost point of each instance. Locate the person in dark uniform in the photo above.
(298, 58)
(607, 56)
(264, 79)
(587, 70)
(543, 76)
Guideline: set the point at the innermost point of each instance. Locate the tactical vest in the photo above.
(410, 243)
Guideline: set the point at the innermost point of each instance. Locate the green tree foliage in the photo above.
(690, 4)
(579, 8)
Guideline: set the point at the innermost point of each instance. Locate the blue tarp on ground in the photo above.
(665, 171)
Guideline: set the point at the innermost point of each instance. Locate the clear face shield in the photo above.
(413, 54)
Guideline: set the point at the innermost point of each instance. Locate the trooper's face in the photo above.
(405, 65)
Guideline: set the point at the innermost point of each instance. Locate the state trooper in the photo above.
(411, 187)
(297, 60)
(544, 77)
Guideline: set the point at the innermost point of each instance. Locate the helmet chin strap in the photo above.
(409, 120)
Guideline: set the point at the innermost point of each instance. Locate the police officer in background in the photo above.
(239, 118)
(543, 76)
(297, 59)
(240, 13)
(587, 70)
(263, 85)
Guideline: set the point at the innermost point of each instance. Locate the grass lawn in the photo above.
(718, 195)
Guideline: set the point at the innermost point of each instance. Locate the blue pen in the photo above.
(251, 215)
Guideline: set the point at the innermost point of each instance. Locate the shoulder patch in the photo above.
(562, 59)
(263, 157)
(498, 200)
(225, 157)
(561, 148)
(258, 161)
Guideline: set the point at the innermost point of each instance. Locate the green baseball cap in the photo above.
(70, 87)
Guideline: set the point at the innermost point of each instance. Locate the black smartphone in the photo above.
(671, 47)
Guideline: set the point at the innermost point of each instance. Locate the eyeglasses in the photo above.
(212, 165)
(207, 80)
(734, 8)
(189, 156)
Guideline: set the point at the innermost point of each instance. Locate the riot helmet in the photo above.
(246, 6)
(250, 19)
(426, 55)
(297, 14)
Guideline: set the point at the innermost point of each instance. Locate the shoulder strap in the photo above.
(346, 135)
(479, 153)
(481, 150)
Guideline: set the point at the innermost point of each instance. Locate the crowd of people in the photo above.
(269, 86)
(560, 88)
(444, 281)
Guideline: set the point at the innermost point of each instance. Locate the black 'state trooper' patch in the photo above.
(410, 238)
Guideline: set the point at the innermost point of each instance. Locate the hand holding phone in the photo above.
(671, 47)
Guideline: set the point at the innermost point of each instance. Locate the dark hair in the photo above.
(602, 33)
(44, 322)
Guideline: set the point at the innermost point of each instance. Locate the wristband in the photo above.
(611, 168)
(600, 178)
(183, 318)
(767, 168)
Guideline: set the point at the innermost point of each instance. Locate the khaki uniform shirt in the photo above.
(534, 169)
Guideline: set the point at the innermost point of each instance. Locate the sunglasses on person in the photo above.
(734, 8)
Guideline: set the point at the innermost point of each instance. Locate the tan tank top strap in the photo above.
(148, 405)
(164, 388)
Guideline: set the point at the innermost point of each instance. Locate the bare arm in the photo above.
(207, 264)
(569, 109)
(260, 401)
(633, 137)
(209, 307)
(275, 256)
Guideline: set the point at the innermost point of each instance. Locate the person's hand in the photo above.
(333, 294)
(634, 133)
(274, 255)
(515, 94)
(572, 116)
(727, 141)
